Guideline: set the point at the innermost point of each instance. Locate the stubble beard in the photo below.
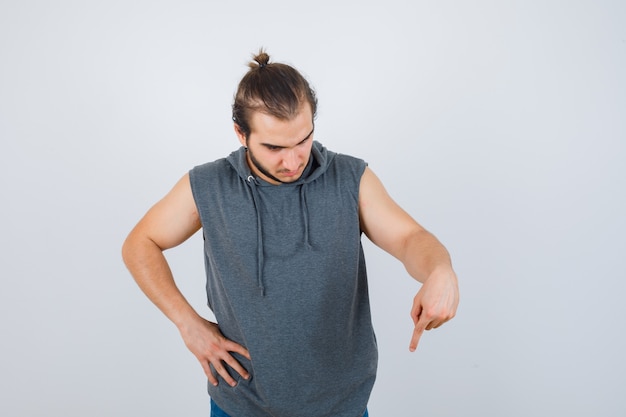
(264, 171)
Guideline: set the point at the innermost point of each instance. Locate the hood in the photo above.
(317, 165)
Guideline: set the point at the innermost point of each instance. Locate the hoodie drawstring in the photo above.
(259, 230)
(305, 217)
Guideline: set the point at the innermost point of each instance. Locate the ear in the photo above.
(240, 135)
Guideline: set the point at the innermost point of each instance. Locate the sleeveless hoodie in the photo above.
(286, 279)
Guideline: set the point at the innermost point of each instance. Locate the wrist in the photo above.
(443, 271)
(185, 317)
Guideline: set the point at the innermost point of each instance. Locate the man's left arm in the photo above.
(389, 227)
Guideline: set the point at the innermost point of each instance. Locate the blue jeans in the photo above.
(218, 412)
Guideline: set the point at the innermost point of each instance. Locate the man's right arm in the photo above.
(167, 224)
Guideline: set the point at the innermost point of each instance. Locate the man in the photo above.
(282, 219)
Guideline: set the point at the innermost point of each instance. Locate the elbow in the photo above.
(127, 249)
(131, 247)
(137, 247)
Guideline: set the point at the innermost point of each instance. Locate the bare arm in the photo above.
(167, 224)
(424, 257)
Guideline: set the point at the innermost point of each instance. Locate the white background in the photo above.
(499, 125)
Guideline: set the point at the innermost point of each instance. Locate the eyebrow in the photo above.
(269, 145)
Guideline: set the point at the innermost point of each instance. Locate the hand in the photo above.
(435, 303)
(204, 339)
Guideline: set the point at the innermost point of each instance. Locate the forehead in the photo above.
(269, 129)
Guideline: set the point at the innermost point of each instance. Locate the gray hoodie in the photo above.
(286, 279)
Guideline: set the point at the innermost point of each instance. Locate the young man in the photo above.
(282, 219)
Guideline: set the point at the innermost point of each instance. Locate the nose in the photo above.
(291, 160)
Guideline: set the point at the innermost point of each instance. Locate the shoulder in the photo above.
(349, 160)
(345, 163)
(209, 168)
(209, 173)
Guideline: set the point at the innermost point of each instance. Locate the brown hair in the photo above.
(273, 88)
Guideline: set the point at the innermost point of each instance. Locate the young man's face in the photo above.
(279, 150)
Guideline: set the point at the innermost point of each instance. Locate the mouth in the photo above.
(290, 173)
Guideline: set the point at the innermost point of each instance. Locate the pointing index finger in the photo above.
(418, 330)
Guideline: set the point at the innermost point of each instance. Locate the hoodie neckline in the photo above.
(317, 165)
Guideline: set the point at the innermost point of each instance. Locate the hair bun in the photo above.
(260, 60)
